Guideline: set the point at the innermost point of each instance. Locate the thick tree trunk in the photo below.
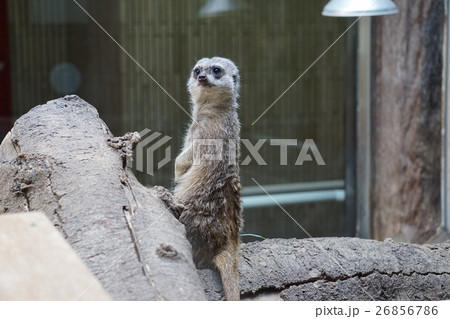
(407, 121)
(60, 158)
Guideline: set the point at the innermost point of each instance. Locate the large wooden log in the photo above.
(339, 269)
(60, 158)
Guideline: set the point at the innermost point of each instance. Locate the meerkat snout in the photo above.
(202, 79)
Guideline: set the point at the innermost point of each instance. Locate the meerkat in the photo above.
(210, 188)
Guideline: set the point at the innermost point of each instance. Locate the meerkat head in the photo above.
(213, 79)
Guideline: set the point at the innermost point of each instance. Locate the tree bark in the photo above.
(407, 110)
(60, 158)
(339, 269)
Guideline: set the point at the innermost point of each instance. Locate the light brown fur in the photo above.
(210, 189)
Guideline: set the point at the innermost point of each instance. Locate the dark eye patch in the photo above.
(196, 71)
(217, 71)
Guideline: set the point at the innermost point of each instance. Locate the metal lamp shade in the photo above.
(215, 8)
(358, 8)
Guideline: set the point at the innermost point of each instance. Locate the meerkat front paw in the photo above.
(181, 167)
(171, 201)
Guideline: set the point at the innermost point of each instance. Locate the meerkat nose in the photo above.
(202, 78)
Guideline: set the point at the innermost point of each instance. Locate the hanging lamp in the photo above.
(358, 8)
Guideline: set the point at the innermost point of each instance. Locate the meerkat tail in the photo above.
(227, 262)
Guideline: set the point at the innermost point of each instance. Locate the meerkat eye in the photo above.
(196, 71)
(217, 71)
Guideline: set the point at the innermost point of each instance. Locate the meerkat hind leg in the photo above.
(227, 261)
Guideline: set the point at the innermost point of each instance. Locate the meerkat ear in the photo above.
(234, 78)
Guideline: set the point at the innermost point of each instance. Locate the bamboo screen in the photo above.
(272, 42)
